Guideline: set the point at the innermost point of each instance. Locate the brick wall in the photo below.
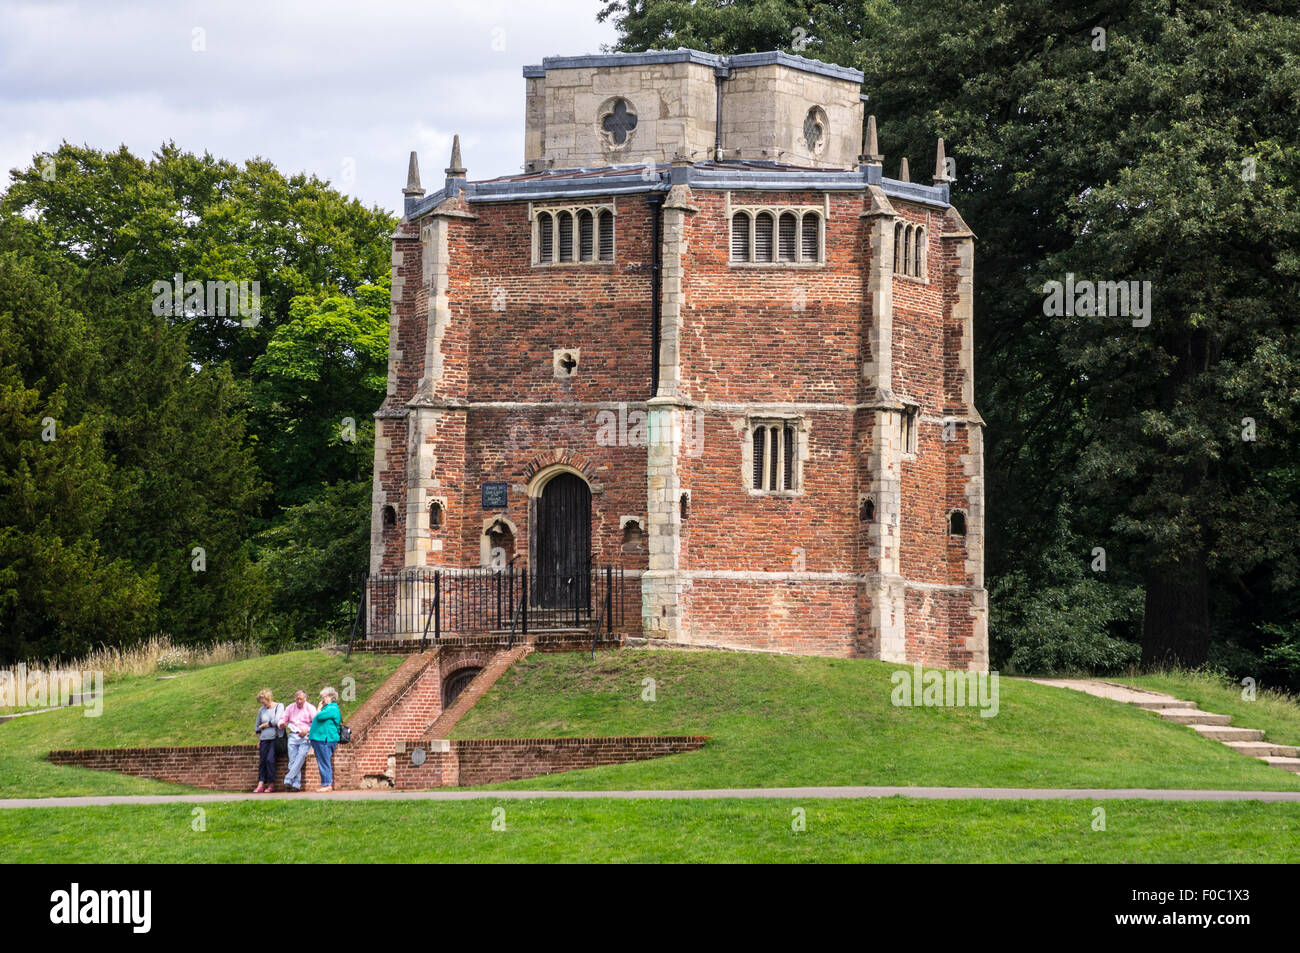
(405, 704)
(217, 768)
(491, 665)
(234, 767)
(473, 762)
(572, 641)
(758, 571)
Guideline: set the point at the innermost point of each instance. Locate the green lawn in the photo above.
(783, 721)
(773, 721)
(205, 706)
(897, 830)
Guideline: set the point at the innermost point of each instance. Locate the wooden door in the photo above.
(563, 550)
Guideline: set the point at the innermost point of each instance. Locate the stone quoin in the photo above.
(704, 338)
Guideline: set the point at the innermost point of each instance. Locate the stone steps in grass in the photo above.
(1264, 749)
(1184, 716)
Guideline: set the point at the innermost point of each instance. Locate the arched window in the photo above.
(740, 236)
(777, 236)
(957, 523)
(574, 235)
(907, 250)
(545, 238)
(898, 248)
(773, 447)
(606, 221)
(918, 256)
(565, 224)
(867, 511)
(811, 237)
(787, 237)
(684, 505)
(763, 227)
(586, 236)
(435, 515)
(389, 517)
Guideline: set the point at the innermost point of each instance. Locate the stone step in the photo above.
(1286, 764)
(1168, 704)
(1228, 733)
(1182, 717)
(1264, 749)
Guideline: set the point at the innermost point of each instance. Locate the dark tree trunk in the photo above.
(1176, 629)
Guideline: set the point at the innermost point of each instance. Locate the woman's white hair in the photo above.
(328, 692)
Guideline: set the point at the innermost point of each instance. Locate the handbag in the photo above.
(345, 734)
(281, 736)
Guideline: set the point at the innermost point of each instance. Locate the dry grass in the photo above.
(158, 654)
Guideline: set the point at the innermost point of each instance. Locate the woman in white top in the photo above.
(267, 728)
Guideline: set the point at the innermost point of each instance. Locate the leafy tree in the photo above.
(58, 587)
(209, 220)
(311, 559)
(323, 374)
(167, 433)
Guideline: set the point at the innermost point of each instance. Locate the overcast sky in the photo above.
(344, 90)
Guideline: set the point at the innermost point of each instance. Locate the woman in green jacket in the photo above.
(324, 736)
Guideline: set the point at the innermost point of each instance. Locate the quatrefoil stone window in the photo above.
(617, 123)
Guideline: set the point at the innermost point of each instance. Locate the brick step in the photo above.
(533, 630)
(1183, 717)
(1228, 733)
(1286, 764)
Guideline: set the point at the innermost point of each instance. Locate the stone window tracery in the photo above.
(777, 235)
(573, 235)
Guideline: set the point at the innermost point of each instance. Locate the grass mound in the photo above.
(779, 721)
(206, 706)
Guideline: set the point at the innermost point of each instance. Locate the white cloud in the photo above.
(320, 86)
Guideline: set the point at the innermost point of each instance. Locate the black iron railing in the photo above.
(431, 603)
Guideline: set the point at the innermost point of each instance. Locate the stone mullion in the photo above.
(662, 612)
(885, 591)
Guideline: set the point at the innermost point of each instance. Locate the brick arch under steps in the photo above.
(409, 706)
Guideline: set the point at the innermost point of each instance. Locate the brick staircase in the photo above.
(408, 700)
(475, 690)
(409, 706)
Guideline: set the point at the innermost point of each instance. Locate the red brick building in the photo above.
(701, 338)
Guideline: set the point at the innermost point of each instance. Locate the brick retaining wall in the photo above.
(488, 761)
(214, 767)
(447, 763)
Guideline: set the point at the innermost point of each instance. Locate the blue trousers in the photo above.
(266, 761)
(298, 750)
(325, 761)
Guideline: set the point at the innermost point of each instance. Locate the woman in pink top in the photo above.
(297, 719)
